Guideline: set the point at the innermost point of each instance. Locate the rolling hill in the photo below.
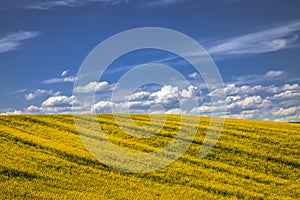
(42, 156)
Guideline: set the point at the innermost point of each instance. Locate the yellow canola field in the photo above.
(42, 157)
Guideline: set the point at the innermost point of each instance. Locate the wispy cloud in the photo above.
(62, 79)
(256, 78)
(44, 5)
(20, 91)
(268, 40)
(64, 73)
(194, 75)
(48, 4)
(204, 3)
(264, 41)
(69, 79)
(13, 41)
(162, 2)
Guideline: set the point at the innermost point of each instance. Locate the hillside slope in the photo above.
(42, 156)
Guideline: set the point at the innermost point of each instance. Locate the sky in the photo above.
(254, 44)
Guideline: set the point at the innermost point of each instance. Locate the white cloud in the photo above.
(69, 79)
(246, 101)
(286, 111)
(143, 101)
(64, 73)
(58, 104)
(269, 40)
(45, 5)
(272, 74)
(32, 109)
(194, 75)
(295, 87)
(292, 118)
(103, 106)
(207, 109)
(176, 111)
(121, 107)
(20, 91)
(235, 105)
(48, 110)
(189, 92)
(287, 94)
(61, 104)
(60, 101)
(232, 89)
(38, 93)
(13, 41)
(277, 103)
(255, 78)
(138, 96)
(138, 105)
(15, 112)
(94, 87)
(246, 114)
(166, 95)
(162, 2)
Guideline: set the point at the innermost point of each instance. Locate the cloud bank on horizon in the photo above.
(246, 101)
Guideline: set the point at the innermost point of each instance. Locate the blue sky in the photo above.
(255, 45)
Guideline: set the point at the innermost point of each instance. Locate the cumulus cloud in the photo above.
(176, 111)
(167, 95)
(234, 105)
(138, 96)
(166, 98)
(232, 89)
(103, 107)
(286, 95)
(121, 107)
(58, 104)
(48, 110)
(15, 112)
(267, 102)
(247, 101)
(286, 111)
(60, 101)
(190, 92)
(291, 118)
(295, 87)
(93, 87)
(38, 93)
(256, 102)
